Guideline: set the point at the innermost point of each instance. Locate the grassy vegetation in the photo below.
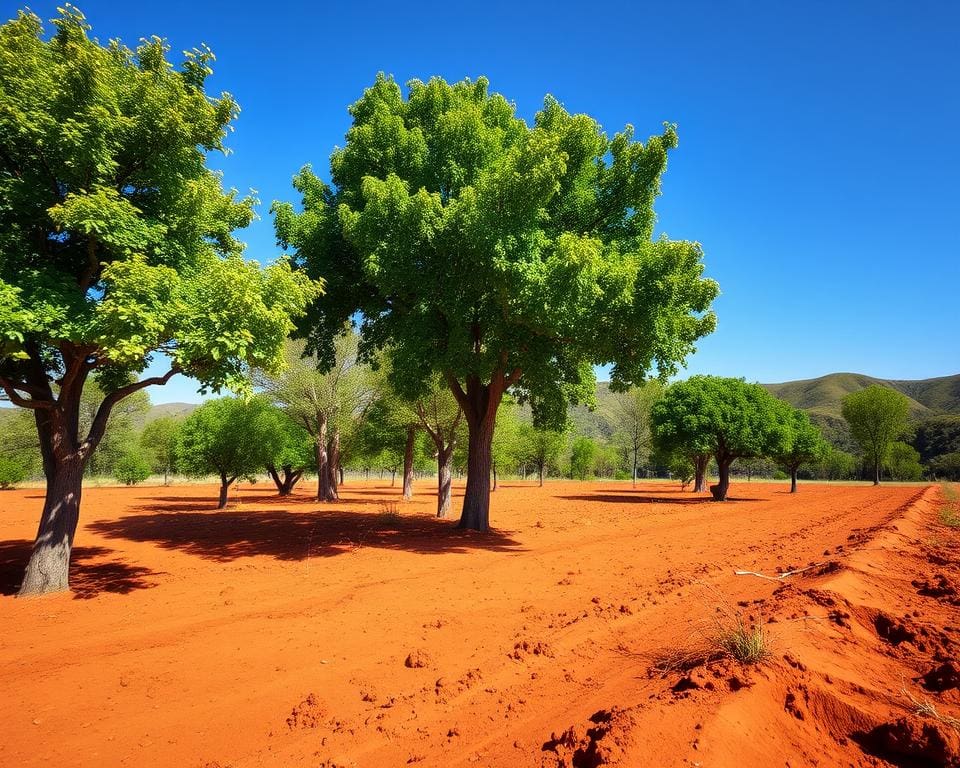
(747, 643)
(950, 511)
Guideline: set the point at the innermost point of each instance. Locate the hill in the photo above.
(928, 397)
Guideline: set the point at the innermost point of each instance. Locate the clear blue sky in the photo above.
(818, 160)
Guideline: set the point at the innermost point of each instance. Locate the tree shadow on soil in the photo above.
(295, 535)
(646, 498)
(87, 579)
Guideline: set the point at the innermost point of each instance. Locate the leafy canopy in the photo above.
(116, 241)
(230, 437)
(877, 416)
(725, 417)
(804, 442)
(478, 246)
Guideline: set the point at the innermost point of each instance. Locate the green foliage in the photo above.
(628, 414)
(726, 417)
(946, 466)
(116, 240)
(507, 449)
(837, 465)
(681, 468)
(19, 445)
(903, 462)
(131, 468)
(288, 444)
(936, 436)
(158, 440)
(804, 443)
(480, 247)
(13, 470)
(120, 436)
(877, 416)
(229, 437)
(583, 454)
(541, 447)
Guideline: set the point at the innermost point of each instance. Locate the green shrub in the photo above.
(131, 468)
(13, 470)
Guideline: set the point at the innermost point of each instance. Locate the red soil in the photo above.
(287, 633)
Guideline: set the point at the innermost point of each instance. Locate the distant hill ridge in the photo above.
(824, 395)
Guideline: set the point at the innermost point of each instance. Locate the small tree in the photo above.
(131, 468)
(903, 462)
(158, 439)
(292, 450)
(628, 413)
(541, 447)
(726, 417)
(505, 447)
(583, 452)
(877, 416)
(229, 437)
(440, 416)
(804, 445)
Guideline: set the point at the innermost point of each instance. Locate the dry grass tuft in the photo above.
(926, 708)
(747, 643)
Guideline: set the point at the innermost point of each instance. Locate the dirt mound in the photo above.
(607, 742)
(909, 741)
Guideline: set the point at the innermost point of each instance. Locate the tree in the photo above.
(324, 399)
(946, 466)
(541, 447)
(903, 462)
(440, 416)
(877, 416)
(158, 439)
(131, 468)
(293, 450)
(497, 254)
(505, 446)
(837, 464)
(583, 451)
(628, 414)
(726, 417)
(230, 437)
(116, 247)
(804, 445)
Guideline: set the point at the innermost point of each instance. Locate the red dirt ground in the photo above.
(287, 633)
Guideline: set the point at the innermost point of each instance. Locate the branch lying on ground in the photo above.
(778, 577)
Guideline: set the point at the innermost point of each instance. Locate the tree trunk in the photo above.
(340, 469)
(323, 469)
(408, 462)
(793, 479)
(393, 476)
(700, 462)
(494, 464)
(876, 471)
(444, 480)
(224, 488)
(49, 565)
(476, 500)
(541, 475)
(719, 490)
(333, 464)
(634, 467)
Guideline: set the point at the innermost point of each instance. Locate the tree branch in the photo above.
(10, 389)
(99, 424)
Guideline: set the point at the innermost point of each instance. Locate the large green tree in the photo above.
(499, 254)
(117, 247)
(804, 444)
(725, 417)
(877, 416)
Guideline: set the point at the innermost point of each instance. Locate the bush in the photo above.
(131, 468)
(946, 466)
(12, 471)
